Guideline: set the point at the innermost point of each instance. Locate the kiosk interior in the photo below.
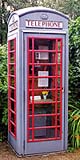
(37, 80)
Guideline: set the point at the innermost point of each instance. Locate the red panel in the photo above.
(12, 87)
(49, 111)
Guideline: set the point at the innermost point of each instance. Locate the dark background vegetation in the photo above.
(72, 8)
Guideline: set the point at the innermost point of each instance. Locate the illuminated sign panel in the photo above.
(44, 24)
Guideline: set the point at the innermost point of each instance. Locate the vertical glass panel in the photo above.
(12, 45)
(12, 69)
(58, 120)
(58, 107)
(30, 57)
(58, 95)
(30, 122)
(53, 108)
(12, 128)
(54, 83)
(59, 57)
(12, 81)
(58, 82)
(53, 57)
(12, 93)
(12, 117)
(59, 44)
(12, 57)
(53, 120)
(30, 83)
(54, 45)
(30, 43)
(12, 105)
(30, 70)
(58, 132)
(59, 70)
(30, 109)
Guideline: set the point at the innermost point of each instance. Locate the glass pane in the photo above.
(44, 108)
(44, 133)
(30, 109)
(12, 128)
(12, 57)
(59, 82)
(58, 120)
(54, 45)
(30, 122)
(59, 70)
(12, 93)
(44, 82)
(12, 105)
(58, 107)
(46, 70)
(59, 44)
(58, 132)
(44, 121)
(30, 57)
(12, 69)
(30, 83)
(59, 57)
(40, 109)
(41, 44)
(30, 43)
(12, 81)
(12, 117)
(43, 96)
(11, 45)
(58, 95)
(44, 57)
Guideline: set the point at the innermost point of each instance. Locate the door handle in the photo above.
(62, 90)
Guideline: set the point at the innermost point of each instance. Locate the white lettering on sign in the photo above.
(13, 23)
(13, 26)
(44, 24)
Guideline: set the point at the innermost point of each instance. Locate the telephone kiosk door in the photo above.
(44, 60)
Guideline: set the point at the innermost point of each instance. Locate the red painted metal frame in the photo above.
(56, 89)
(12, 122)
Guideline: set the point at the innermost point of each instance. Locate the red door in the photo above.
(44, 89)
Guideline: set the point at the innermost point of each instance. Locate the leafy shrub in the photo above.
(74, 83)
(74, 57)
(3, 90)
(74, 126)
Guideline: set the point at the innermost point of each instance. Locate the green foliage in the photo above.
(74, 57)
(72, 8)
(74, 83)
(3, 22)
(3, 89)
(74, 126)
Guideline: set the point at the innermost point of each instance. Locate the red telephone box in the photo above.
(37, 80)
